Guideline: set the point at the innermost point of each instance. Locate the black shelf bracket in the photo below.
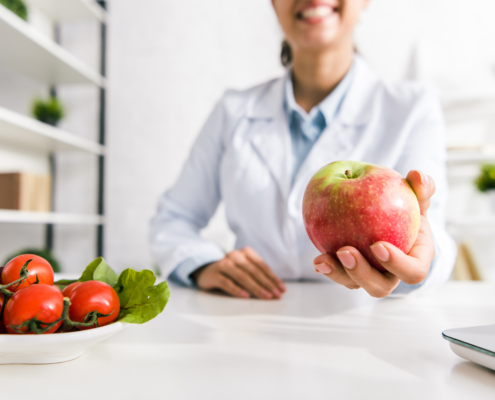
(101, 158)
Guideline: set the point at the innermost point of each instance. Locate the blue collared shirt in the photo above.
(305, 129)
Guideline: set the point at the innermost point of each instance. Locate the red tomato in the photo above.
(44, 302)
(38, 267)
(68, 289)
(2, 326)
(90, 296)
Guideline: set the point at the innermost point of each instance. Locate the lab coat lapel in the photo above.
(340, 139)
(272, 143)
(270, 135)
(335, 143)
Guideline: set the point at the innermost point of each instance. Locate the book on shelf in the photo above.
(25, 192)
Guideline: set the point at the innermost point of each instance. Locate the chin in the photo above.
(319, 40)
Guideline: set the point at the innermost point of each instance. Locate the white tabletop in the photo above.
(321, 341)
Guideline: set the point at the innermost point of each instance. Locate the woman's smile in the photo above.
(315, 12)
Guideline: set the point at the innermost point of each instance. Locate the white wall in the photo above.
(169, 61)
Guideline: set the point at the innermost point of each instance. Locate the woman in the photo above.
(260, 147)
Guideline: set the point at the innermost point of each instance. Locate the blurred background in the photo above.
(101, 101)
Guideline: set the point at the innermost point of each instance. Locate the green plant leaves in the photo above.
(486, 179)
(64, 282)
(17, 7)
(105, 274)
(99, 270)
(49, 111)
(140, 299)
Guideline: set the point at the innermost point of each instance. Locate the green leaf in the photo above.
(87, 275)
(64, 282)
(99, 270)
(140, 299)
(105, 274)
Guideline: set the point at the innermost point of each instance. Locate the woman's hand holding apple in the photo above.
(352, 270)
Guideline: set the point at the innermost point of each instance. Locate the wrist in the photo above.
(193, 276)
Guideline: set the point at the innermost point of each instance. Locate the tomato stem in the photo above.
(34, 325)
(7, 294)
(90, 319)
(23, 275)
(39, 327)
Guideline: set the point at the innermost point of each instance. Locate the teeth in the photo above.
(315, 12)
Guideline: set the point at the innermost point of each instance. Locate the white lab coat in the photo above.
(243, 158)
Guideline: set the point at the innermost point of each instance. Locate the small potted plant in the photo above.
(17, 7)
(485, 182)
(48, 111)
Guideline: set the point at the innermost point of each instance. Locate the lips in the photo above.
(313, 11)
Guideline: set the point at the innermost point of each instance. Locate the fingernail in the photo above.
(266, 294)
(424, 179)
(276, 293)
(323, 268)
(282, 287)
(347, 259)
(244, 294)
(380, 252)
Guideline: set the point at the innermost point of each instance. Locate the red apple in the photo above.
(350, 203)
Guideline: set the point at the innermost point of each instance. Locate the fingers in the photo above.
(258, 261)
(376, 283)
(255, 274)
(333, 269)
(242, 273)
(210, 277)
(352, 270)
(229, 287)
(244, 280)
(410, 268)
(424, 187)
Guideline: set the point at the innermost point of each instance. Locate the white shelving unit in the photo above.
(30, 133)
(68, 10)
(457, 157)
(461, 108)
(472, 221)
(27, 217)
(28, 51)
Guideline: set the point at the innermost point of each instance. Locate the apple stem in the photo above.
(348, 173)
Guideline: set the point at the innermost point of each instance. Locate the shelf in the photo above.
(470, 156)
(487, 95)
(27, 51)
(69, 10)
(29, 217)
(472, 221)
(30, 133)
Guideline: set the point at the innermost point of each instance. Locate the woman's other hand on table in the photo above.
(353, 271)
(242, 273)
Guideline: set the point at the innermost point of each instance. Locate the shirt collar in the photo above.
(329, 107)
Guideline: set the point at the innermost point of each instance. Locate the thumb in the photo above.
(424, 187)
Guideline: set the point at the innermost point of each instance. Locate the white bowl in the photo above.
(52, 348)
